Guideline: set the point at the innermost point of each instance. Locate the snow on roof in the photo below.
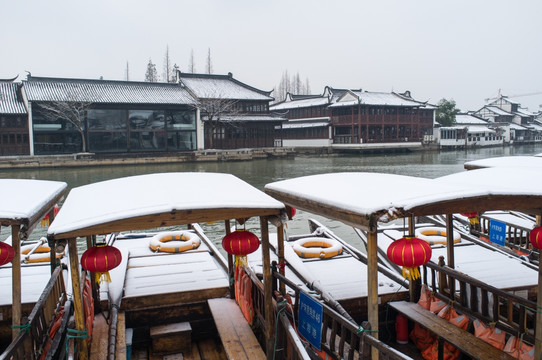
(301, 125)
(23, 199)
(524, 113)
(105, 91)
(248, 117)
(302, 103)
(375, 98)
(506, 161)
(205, 86)
(479, 129)
(356, 197)
(9, 103)
(498, 111)
(154, 194)
(468, 119)
(515, 126)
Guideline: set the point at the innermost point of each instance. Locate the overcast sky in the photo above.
(461, 49)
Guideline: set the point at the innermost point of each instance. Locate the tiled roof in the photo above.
(210, 86)
(377, 98)
(301, 103)
(105, 91)
(9, 104)
(467, 119)
(497, 110)
(249, 117)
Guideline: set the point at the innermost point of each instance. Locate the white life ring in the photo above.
(174, 241)
(436, 235)
(317, 247)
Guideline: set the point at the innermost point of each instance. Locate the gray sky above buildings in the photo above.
(462, 49)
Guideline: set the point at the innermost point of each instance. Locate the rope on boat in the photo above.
(79, 334)
(25, 327)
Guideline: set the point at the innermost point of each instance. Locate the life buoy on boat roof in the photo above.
(436, 235)
(317, 247)
(174, 241)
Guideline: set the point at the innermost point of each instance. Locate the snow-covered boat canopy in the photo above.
(506, 161)
(156, 200)
(362, 199)
(25, 202)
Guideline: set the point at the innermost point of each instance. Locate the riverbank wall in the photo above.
(92, 159)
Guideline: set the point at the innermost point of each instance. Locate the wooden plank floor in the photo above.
(208, 349)
(237, 337)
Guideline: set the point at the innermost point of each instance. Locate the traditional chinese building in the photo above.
(234, 114)
(344, 116)
(13, 120)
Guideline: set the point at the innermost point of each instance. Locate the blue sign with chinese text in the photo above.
(497, 232)
(310, 319)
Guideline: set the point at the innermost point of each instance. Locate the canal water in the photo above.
(429, 164)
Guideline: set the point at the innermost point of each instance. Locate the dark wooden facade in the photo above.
(14, 134)
(380, 124)
(237, 135)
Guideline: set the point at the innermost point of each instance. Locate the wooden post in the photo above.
(413, 285)
(372, 282)
(268, 290)
(230, 263)
(538, 335)
(16, 281)
(280, 240)
(91, 241)
(77, 297)
(53, 262)
(450, 240)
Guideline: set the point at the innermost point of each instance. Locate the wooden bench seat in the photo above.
(237, 337)
(465, 341)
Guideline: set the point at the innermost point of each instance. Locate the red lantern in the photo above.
(536, 237)
(473, 217)
(100, 259)
(6, 253)
(290, 211)
(409, 252)
(240, 243)
(45, 221)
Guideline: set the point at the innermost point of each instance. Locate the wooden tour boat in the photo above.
(27, 288)
(178, 304)
(364, 200)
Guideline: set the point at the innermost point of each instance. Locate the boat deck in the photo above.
(344, 277)
(489, 266)
(149, 279)
(34, 277)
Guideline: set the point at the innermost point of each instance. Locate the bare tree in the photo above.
(72, 111)
(127, 71)
(209, 62)
(191, 64)
(217, 113)
(151, 74)
(167, 74)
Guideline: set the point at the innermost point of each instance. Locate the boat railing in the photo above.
(28, 344)
(511, 313)
(517, 237)
(340, 337)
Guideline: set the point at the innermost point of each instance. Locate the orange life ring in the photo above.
(436, 235)
(41, 254)
(174, 241)
(317, 247)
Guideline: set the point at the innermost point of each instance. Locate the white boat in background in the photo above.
(526, 161)
(24, 204)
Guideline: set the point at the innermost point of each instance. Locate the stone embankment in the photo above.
(91, 159)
